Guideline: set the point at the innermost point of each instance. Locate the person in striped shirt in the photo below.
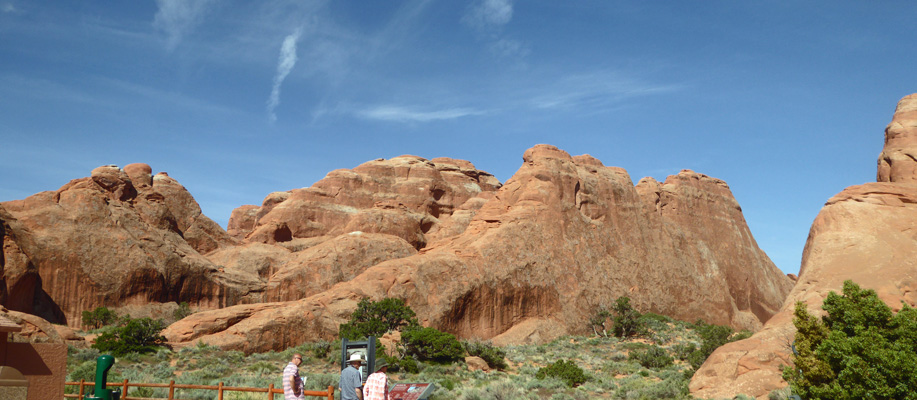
(292, 382)
(376, 387)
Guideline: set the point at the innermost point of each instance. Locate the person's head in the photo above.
(355, 360)
(382, 366)
(297, 359)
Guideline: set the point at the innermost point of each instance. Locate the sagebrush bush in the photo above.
(564, 370)
(654, 357)
(493, 356)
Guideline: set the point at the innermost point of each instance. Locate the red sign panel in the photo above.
(410, 391)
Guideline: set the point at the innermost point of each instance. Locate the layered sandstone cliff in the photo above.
(531, 260)
(866, 234)
(117, 237)
(124, 238)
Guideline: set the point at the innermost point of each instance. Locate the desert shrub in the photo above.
(780, 394)
(564, 370)
(429, 344)
(321, 349)
(132, 336)
(684, 350)
(99, 317)
(85, 370)
(622, 368)
(626, 318)
(674, 387)
(375, 318)
(712, 337)
(406, 364)
(499, 390)
(78, 356)
(183, 310)
(654, 357)
(322, 381)
(859, 350)
(599, 321)
(494, 356)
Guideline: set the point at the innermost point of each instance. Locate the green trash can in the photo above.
(103, 364)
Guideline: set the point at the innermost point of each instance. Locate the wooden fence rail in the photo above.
(270, 390)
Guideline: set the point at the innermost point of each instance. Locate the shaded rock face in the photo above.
(108, 241)
(407, 196)
(562, 237)
(864, 233)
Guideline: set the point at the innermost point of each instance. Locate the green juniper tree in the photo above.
(859, 350)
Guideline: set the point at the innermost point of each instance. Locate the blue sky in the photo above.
(784, 100)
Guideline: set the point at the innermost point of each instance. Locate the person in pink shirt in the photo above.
(292, 382)
(376, 387)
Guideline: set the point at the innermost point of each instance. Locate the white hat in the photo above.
(355, 357)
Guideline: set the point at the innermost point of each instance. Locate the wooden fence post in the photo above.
(330, 392)
(171, 390)
(124, 392)
(220, 391)
(82, 381)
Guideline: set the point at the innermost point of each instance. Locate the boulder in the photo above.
(476, 364)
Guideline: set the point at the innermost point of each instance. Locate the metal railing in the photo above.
(172, 386)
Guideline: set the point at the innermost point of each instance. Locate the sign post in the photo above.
(366, 349)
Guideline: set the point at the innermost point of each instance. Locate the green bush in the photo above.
(493, 356)
(684, 350)
(626, 319)
(99, 317)
(654, 357)
(599, 322)
(429, 344)
(859, 350)
(375, 318)
(712, 337)
(564, 370)
(132, 336)
(183, 310)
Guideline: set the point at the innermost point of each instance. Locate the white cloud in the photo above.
(405, 114)
(595, 91)
(8, 8)
(284, 65)
(177, 17)
(488, 14)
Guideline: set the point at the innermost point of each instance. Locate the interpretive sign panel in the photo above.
(411, 391)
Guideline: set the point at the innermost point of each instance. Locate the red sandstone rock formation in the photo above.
(118, 237)
(410, 197)
(563, 236)
(865, 234)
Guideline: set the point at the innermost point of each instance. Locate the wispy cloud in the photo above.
(8, 7)
(487, 18)
(284, 66)
(406, 114)
(489, 14)
(595, 91)
(177, 17)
